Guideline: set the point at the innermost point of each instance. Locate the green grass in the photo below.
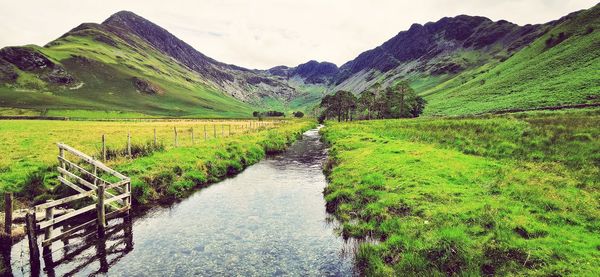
(173, 173)
(29, 146)
(539, 75)
(506, 195)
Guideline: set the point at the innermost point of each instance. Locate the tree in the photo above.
(366, 103)
(341, 105)
(418, 106)
(396, 101)
(268, 113)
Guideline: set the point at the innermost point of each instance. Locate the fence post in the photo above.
(175, 130)
(229, 132)
(34, 251)
(129, 199)
(8, 209)
(215, 130)
(205, 138)
(103, 148)
(129, 144)
(95, 174)
(100, 210)
(49, 216)
(192, 131)
(222, 130)
(61, 153)
(155, 137)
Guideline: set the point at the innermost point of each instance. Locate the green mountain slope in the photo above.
(108, 67)
(562, 67)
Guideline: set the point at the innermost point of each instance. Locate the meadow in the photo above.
(489, 195)
(29, 146)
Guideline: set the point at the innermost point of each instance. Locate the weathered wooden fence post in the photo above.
(155, 137)
(129, 144)
(192, 131)
(229, 132)
(8, 209)
(61, 154)
(103, 148)
(129, 199)
(49, 216)
(222, 130)
(175, 130)
(100, 210)
(205, 138)
(34, 251)
(215, 130)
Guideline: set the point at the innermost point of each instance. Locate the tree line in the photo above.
(258, 114)
(396, 101)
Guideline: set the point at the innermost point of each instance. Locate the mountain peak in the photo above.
(436, 47)
(123, 16)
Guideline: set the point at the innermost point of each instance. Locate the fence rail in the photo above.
(177, 136)
(89, 183)
(107, 191)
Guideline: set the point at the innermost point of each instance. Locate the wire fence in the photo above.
(144, 140)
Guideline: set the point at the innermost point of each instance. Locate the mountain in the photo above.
(560, 68)
(311, 72)
(130, 64)
(310, 80)
(471, 64)
(460, 65)
(438, 50)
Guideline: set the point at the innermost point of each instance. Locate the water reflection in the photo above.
(269, 220)
(75, 255)
(5, 257)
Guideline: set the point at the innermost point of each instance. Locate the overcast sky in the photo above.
(265, 33)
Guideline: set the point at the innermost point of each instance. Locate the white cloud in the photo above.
(266, 33)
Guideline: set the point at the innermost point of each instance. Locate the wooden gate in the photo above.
(99, 188)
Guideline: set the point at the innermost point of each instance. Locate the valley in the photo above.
(458, 147)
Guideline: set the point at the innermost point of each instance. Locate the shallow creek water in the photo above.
(269, 220)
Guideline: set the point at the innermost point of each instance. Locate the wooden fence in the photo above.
(98, 188)
(207, 131)
(89, 178)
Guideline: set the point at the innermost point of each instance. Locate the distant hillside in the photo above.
(471, 65)
(127, 63)
(311, 80)
(562, 67)
(437, 51)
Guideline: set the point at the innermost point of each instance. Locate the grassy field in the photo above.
(29, 146)
(513, 194)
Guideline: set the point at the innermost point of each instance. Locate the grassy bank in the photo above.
(28, 146)
(511, 194)
(28, 165)
(174, 173)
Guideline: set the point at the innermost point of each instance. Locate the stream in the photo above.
(269, 220)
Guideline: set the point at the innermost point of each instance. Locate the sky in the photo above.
(265, 33)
